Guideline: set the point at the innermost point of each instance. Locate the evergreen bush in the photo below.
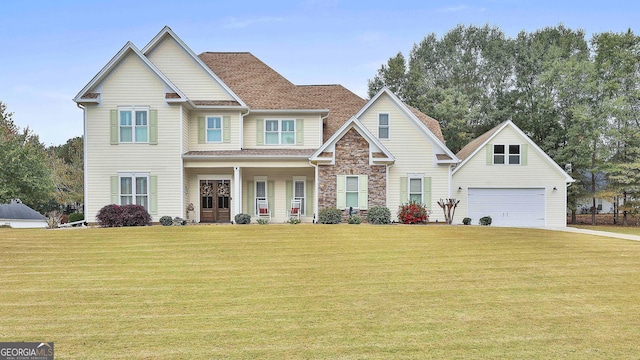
(125, 215)
(329, 216)
(485, 220)
(166, 221)
(379, 215)
(243, 218)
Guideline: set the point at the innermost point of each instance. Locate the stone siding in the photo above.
(352, 158)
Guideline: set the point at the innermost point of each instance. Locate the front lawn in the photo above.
(320, 291)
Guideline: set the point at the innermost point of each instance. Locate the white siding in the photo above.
(537, 173)
(413, 152)
(185, 73)
(132, 83)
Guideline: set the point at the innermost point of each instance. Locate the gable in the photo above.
(131, 79)
(185, 72)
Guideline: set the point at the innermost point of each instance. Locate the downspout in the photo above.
(84, 156)
(450, 180)
(183, 210)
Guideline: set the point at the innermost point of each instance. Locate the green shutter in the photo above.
(299, 131)
(271, 196)
(250, 201)
(309, 198)
(153, 194)
(426, 192)
(226, 129)
(260, 132)
(114, 190)
(341, 195)
(202, 131)
(404, 192)
(289, 194)
(363, 192)
(153, 127)
(489, 154)
(114, 126)
(524, 154)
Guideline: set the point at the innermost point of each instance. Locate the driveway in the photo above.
(596, 233)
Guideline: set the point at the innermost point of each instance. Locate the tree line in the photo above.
(44, 178)
(578, 99)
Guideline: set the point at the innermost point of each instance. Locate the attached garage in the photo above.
(521, 207)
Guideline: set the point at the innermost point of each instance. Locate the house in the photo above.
(19, 215)
(505, 175)
(166, 128)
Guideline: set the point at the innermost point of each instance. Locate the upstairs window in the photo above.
(383, 126)
(280, 132)
(133, 125)
(214, 129)
(506, 154)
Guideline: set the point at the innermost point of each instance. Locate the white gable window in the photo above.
(214, 129)
(134, 189)
(133, 124)
(280, 132)
(506, 154)
(383, 126)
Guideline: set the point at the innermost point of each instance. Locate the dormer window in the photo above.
(509, 154)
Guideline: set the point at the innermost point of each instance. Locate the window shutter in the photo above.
(271, 192)
(309, 198)
(114, 126)
(153, 194)
(404, 192)
(153, 127)
(202, 131)
(363, 192)
(341, 195)
(299, 131)
(114, 190)
(524, 154)
(226, 129)
(426, 192)
(260, 132)
(250, 201)
(289, 194)
(489, 154)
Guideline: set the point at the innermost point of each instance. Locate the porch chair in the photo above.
(294, 212)
(263, 210)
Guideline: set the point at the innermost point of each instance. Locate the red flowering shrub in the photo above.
(125, 215)
(413, 213)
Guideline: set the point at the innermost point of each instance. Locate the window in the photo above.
(383, 126)
(415, 189)
(134, 189)
(214, 129)
(133, 125)
(351, 190)
(280, 132)
(261, 192)
(298, 194)
(500, 154)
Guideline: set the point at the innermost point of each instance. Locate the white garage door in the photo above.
(508, 207)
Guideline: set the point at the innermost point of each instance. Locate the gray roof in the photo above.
(18, 211)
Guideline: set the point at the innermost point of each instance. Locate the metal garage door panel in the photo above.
(508, 207)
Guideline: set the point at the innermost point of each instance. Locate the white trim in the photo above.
(413, 176)
(506, 154)
(183, 209)
(133, 175)
(133, 109)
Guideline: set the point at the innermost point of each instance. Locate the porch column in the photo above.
(237, 191)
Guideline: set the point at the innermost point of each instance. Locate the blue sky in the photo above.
(51, 49)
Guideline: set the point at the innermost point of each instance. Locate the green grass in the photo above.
(320, 291)
(630, 230)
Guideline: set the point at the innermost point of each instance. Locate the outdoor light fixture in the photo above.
(555, 188)
(459, 187)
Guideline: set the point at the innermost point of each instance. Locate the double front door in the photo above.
(215, 200)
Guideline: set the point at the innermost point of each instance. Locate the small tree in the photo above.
(449, 208)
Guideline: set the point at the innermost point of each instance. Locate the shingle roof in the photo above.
(430, 122)
(19, 211)
(471, 147)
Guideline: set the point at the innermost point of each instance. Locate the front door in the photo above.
(215, 200)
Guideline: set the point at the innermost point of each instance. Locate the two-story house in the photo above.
(227, 134)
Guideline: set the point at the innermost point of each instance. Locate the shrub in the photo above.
(413, 213)
(166, 221)
(466, 221)
(294, 221)
(485, 220)
(262, 221)
(125, 215)
(243, 218)
(77, 216)
(379, 215)
(329, 216)
(354, 219)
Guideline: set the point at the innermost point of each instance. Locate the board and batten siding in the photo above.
(537, 173)
(185, 73)
(312, 129)
(413, 152)
(132, 83)
(194, 128)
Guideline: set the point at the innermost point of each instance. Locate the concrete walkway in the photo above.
(596, 233)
